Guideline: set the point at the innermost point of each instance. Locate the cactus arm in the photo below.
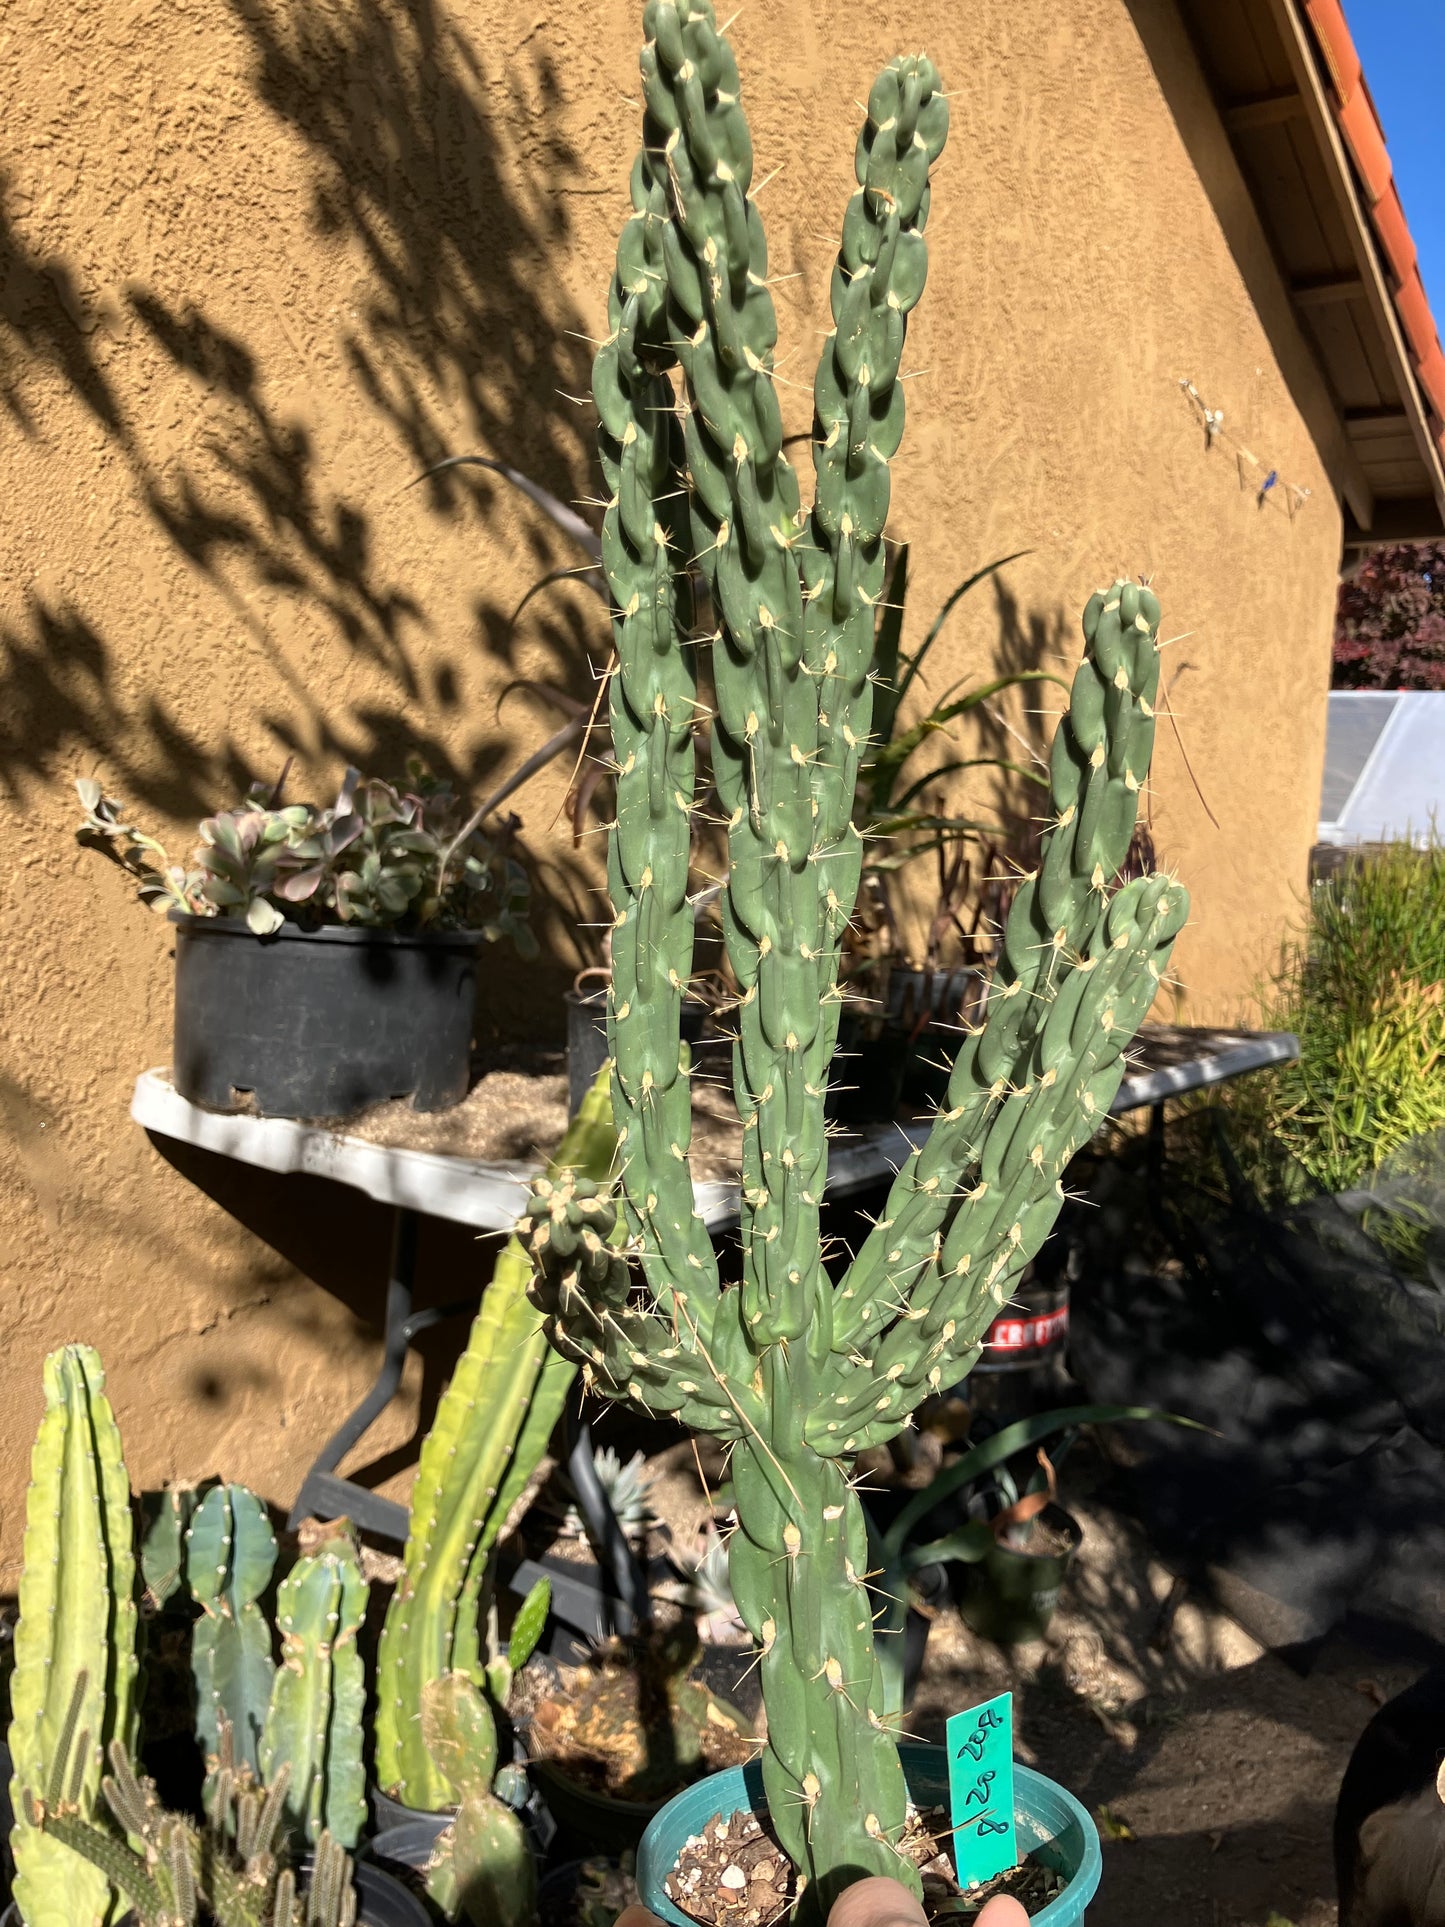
(745, 523)
(653, 709)
(491, 1429)
(858, 424)
(318, 1697)
(1042, 1003)
(230, 1556)
(582, 1284)
(493, 1876)
(77, 1615)
(106, 1856)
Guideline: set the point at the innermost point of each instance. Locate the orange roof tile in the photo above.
(1364, 138)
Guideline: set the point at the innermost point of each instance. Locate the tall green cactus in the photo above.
(318, 1697)
(489, 1435)
(230, 1556)
(482, 1865)
(77, 1617)
(796, 1370)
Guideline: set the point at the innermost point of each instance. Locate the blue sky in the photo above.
(1402, 47)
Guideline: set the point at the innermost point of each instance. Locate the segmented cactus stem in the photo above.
(797, 1372)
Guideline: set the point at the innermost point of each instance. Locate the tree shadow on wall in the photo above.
(450, 182)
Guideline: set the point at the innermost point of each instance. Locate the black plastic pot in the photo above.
(382, 1900)
(321, 1023)
(865, 1079)
(594, 1822)
(1009, 1597)
(920, 1003)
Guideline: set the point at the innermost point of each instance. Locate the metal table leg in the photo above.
(325, 1495)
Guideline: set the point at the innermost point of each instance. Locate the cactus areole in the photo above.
(796, 1369)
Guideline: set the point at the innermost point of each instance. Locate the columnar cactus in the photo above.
(230, 1556)
(489, 1435)
(77, 1617)
(482, 1865)
(318, 1697)
(796, 1370)
(235, 1871)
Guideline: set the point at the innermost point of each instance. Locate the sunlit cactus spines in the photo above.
(77, 1622)
(796, 1369)
(490, 1433)
(315, 1719)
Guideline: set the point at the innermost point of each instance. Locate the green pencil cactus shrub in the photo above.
(796, 1369)
(489, 1436)
(77, 1620)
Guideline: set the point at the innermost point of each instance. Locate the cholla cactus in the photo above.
(797, 1370)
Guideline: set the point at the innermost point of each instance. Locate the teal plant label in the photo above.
(981, 1789)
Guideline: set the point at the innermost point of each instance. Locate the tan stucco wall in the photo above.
(263, 262)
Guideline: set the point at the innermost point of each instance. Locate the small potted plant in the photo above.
(326, 959)
(283, 1743)
(795, 1368)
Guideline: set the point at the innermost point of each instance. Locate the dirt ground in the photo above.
(1212, 1763)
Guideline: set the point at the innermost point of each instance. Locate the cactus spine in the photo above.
(230, 1556)
(318, 1697)
(77, 1617)
(235, 1870)
(491, 1430)
(797, 1370)
(482, 1866)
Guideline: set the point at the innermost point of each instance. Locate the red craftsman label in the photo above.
(1012, 1336)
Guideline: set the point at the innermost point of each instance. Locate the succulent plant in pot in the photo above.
(798, 1370)
(327, 959)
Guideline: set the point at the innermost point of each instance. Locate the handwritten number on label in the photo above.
(974, 1745)
(992, 1826)
(979, 1789)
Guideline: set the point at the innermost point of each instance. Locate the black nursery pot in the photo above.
(321, 1023)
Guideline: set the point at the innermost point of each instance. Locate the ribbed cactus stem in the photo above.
(653, 711)
(77, 1617)
(799, 1373)
(489, 1434)
(230, 1557)
(318, 1698)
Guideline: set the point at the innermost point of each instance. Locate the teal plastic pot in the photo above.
(1050, 1823)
